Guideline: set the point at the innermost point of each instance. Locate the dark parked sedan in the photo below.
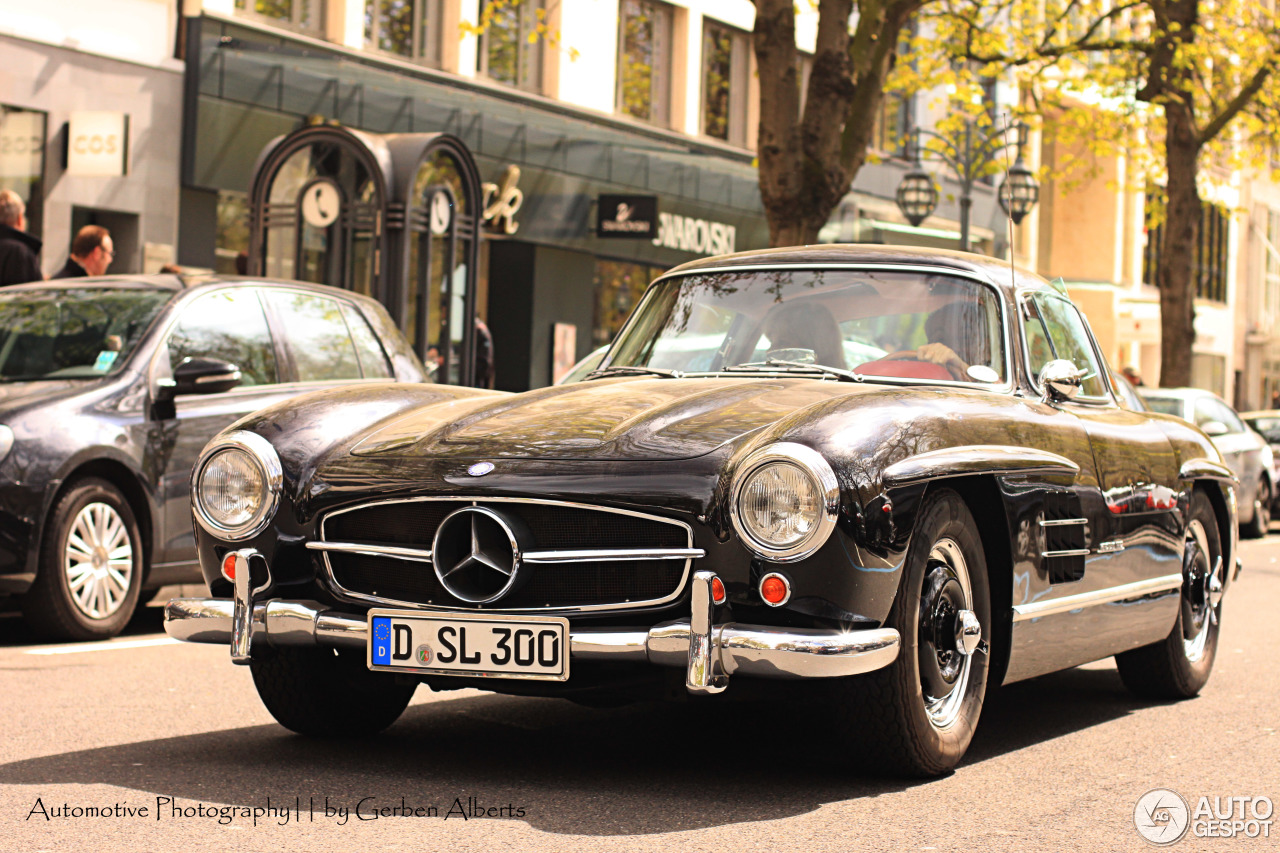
(900, 475)
(109, 389)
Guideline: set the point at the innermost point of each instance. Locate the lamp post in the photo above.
(1018, 192)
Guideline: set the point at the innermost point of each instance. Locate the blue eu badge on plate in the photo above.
(381, 640)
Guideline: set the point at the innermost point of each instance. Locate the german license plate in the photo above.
(475, 644)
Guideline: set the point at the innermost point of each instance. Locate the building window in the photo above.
(725, 60)
(407, 28)
(619, 286)
(296, 14)
(1209, 261)
(892, 125)
(644, 61)
(512, 42)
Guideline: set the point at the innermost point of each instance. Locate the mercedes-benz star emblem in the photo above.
(476, 554)
(480, 469)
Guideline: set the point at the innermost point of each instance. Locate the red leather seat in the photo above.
(905, 368)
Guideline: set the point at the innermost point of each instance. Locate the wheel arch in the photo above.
(1214, 490)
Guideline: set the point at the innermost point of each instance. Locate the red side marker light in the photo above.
(717, 591)
(774, 590)
(229, 567)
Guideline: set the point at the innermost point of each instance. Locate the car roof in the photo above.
(991, 269)
(1178, 393)
(179, 283)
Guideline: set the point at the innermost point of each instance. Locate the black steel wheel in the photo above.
(324, 693)
(1261, 521)
(91, 566)
(917, 716)
(1178, 666)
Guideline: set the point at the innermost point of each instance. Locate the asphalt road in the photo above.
(1058, 763)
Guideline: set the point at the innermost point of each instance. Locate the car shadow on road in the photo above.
(631, 771)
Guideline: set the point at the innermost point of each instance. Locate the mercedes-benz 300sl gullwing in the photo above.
(884, 479)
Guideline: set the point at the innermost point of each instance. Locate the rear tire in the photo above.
(321, 693)
(917, 716)
(1261, 521)
(1178, 666)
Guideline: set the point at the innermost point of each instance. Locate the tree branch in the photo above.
(1240, 101)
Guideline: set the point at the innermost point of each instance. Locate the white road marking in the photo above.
(101, 647)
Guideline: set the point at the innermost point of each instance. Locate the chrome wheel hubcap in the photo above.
(1201, 592)
(98, 561)
(949, 633)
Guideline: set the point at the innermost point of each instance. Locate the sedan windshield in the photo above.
(72, 333)
(861, 324)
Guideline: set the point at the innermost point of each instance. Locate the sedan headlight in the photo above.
(784, 502)
(235, 486)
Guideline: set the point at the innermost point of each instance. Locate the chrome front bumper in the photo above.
(710, 653)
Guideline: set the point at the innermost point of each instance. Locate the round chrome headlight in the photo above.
(235, 487)
(784, 502)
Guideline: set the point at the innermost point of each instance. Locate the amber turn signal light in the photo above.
(718, 594)
(229, 566)
(775, 589)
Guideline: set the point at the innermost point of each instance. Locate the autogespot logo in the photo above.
(1162, 816)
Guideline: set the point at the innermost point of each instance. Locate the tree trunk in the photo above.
(1175, 273)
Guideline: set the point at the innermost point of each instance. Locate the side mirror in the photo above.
(1213, 429)
(1061, 379)
(204, 376)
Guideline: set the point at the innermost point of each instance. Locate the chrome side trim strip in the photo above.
(977, 459)
(1063, 522)
(1115, 546)
(617, 554)
(359, 597)
(1110, 595)
(419, 554)
(1073, 552)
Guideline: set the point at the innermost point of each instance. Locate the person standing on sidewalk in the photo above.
(91, 253)
(19, 251)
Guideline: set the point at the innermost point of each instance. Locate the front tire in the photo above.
(917, 716)
(91, 566)
(322, 693)
(1178, 666)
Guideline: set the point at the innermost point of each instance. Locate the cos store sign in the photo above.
(98, 144)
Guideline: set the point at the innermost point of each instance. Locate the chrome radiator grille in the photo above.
(572, 556)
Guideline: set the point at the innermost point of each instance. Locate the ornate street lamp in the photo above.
(1018, 192)
(917, 195)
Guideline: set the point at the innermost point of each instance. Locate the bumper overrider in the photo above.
(709, 652)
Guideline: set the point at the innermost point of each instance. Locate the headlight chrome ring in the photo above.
(263, 456)
(823, 480)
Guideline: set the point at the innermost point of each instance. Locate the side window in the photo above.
(230, 325)
(317, 336)
(1208, 409)
(373, 361)
(1055, 330)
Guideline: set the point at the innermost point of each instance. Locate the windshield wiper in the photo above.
(795, 367)
(628, 370)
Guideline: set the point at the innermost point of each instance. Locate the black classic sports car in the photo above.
(901, 476)
(111, 387)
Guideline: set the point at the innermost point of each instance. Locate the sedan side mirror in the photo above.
(204, 376)
(1213, 429)
(1061, 380)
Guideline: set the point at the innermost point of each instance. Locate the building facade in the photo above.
(90, 119)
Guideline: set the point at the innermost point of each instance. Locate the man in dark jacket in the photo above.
(91, 253)
(19, 251)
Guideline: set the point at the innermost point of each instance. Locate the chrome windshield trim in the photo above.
(349, 595)
(1110, 595)
(372, 550)
(619, 554)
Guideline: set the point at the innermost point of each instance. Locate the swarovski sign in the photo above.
(700, 236)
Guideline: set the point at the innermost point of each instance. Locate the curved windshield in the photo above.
(868, 324)
(72, 333)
